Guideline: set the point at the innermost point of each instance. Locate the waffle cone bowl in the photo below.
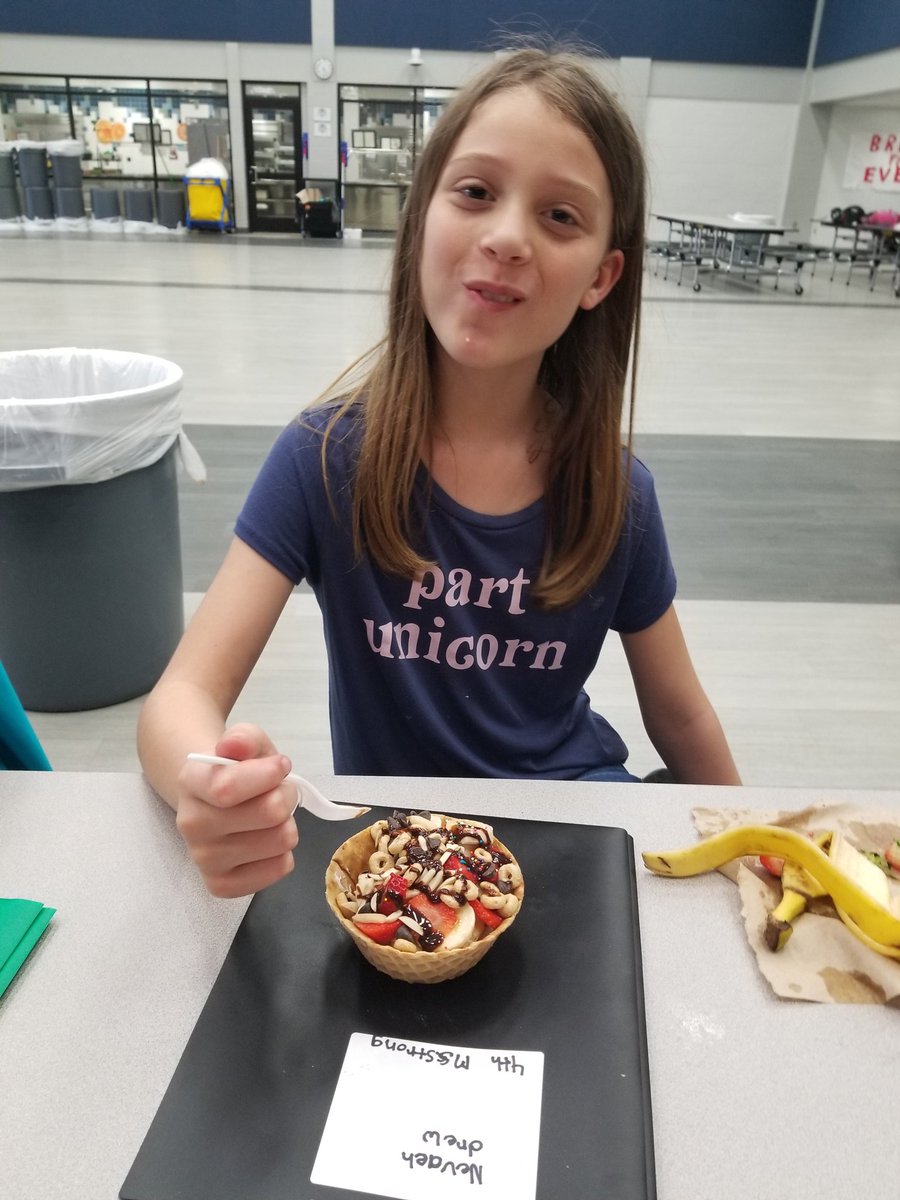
(352, 859)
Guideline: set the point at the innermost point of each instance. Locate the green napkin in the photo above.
(21, 924)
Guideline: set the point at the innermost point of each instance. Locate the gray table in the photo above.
(729, 246)
(865, 246)
(752, 1096)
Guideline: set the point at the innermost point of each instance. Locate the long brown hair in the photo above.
(584, 373)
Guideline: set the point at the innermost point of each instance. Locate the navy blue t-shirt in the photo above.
(459, 673)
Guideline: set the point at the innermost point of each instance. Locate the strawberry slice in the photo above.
(455, 866)
(441, 916)
(455, 925)
(381, 932)
(393, 894)
(773, 865)
(487, 916)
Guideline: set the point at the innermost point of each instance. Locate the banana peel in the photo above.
(835, 872)
(798, 888)
(780, 921)
(885, 951)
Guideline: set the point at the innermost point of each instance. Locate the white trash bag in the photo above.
(207, 168)
(84, 416)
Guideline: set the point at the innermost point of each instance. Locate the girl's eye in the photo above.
(561, 216)
(474, 191)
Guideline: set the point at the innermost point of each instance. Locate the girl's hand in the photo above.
(238, 820)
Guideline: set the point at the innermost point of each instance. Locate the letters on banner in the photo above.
(874, 161)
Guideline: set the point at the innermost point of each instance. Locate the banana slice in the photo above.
(860, 869)
(462, 931)
(870, 915)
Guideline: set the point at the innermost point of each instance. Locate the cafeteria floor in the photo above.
(771, 423)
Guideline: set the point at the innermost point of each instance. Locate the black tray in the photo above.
(244, 1112)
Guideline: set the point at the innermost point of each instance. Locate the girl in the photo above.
(466, 513)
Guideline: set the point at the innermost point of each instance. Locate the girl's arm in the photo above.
(236, 820)
(677, 715)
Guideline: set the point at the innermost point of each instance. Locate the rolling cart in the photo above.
(209, 203)
(318, 208)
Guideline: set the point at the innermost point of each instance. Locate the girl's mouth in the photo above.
(488, 295)
(497, 298)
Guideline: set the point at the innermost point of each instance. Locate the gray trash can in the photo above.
(138, 204)
(66, 170)
(7, 170)
(32, 162)
(105, 203)
(9, 204)
(39, 204)
(91, 594)
(170, 207)
(69, 202)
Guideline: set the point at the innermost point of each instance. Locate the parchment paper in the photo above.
(822, 960)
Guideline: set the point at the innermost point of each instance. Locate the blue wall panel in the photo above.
(220, 21)
(854, 27)
(759, 32)
(751, 32)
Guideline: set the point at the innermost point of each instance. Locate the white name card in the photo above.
(412, 1119)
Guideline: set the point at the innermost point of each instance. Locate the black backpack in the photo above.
(847, 216)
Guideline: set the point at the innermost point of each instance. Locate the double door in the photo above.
(272, 136)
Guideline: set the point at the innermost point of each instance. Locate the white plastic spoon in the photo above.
(309, 797)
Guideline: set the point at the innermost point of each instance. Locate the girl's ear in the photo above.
(607, 277)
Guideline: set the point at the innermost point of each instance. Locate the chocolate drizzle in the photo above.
(423, 854)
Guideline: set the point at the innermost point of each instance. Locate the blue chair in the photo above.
(20, 749)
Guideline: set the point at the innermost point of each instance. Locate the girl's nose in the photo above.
(507, 237)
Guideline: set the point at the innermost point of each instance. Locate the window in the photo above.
(192, 121)
(34, 107)
(382, 131)
(129, 128)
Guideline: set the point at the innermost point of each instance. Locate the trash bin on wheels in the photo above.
(209, 204)
(208, 197)
(91, 603)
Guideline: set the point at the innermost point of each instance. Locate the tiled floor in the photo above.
(771, 422)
